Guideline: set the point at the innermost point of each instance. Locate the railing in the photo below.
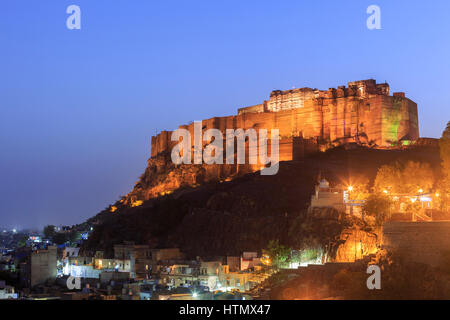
(421, 216)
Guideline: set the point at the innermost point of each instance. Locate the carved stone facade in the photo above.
(363, 112)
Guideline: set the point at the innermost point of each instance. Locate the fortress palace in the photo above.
(364, 113)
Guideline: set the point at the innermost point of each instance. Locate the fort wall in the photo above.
(422, 242)
(364, 113)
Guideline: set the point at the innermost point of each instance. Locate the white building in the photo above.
(326, 197)
(7, 292)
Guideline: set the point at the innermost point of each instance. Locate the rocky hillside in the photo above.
(208, 215)
(162, 177)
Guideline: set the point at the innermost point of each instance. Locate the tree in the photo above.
(444, 144)
(23, 241)
(359, 190)
(417, 175)
(388, 178)
(378, 205)
(59, 238)
(279, 254)
(49, 231)
(74, 236)
(406, 177)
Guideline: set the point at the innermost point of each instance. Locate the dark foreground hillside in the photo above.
(244, 214)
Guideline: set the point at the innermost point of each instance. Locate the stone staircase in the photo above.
(421, 216)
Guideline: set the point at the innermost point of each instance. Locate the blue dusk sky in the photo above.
(78, 107)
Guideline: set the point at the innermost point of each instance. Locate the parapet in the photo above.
(295, 98)
(252, 109)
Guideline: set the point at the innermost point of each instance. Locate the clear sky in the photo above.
(78, 107)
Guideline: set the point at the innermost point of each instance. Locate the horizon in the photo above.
(80, 106)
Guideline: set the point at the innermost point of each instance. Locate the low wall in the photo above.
(424, 242)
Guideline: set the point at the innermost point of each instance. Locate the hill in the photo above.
(228, 217)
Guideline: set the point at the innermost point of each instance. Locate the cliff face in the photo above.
(162, 177)
(355, 243)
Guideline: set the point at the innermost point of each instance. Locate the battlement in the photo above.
(296, 98)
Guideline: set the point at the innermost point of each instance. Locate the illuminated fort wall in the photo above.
(363, 112)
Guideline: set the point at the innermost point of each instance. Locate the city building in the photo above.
(7, 292)
(40, 267)
(327, 197)
(249, 260)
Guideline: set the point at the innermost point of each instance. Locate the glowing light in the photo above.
(413, 200)
(137, 203)
(14, 230)
(294, 265)
(350, 188)
(265, 260)
(113, 208)
(420, 190)
(437, 194)
(385, 191)
(194, 295)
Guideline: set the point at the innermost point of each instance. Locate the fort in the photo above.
(364, 112)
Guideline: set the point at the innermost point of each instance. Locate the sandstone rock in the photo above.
(356, 244)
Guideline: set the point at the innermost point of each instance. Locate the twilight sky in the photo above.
(78, 107)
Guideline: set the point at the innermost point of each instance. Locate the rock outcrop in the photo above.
(162, 177)
(355, 243)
